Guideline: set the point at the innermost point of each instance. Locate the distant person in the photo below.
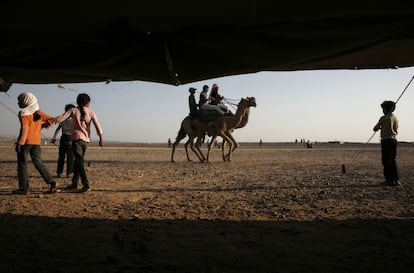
(388, 124)
(82, 118)
(192, 101)
(216, 99)
(204, 102)
(29, 141)
(65, 145)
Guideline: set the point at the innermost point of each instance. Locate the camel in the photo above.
(221, 126)
(225, 126)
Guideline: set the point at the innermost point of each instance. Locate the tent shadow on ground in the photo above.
(43, 244)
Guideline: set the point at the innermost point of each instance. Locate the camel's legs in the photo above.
(173, 151)
(198, 147)
(177, 140)
(212, 140)
(225, 139)
(201, 157)
(185, 130)
(196, 150)
(186, 149)
(223, 146)
(233, 146)
(180, 136)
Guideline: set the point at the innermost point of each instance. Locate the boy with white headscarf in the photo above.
(29, 140)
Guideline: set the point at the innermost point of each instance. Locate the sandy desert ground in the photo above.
(272, 209)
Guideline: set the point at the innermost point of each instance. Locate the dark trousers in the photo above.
(35, 153)
(79, 150)
(65, 151)
(389, 153)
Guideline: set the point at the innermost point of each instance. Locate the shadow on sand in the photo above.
(42, 244)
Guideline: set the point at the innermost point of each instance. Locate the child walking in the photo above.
(388, 124)
(65, 145)
(82, 117)
(29, 140)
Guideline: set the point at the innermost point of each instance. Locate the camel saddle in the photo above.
(205, 115)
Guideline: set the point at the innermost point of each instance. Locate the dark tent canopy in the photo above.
(177, 42)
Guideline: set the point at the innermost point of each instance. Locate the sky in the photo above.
(320, 105)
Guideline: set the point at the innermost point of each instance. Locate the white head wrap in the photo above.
(27, 103)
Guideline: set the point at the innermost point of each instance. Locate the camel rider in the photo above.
(216, 98)
(204, 102)
(192, 102)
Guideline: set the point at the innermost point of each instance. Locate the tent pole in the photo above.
(173, 75)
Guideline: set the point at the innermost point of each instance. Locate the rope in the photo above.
(231, 104)
(405, 89)
(228, 100)
(8, 108)
(396, 101)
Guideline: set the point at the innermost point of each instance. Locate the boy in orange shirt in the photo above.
(31, 123)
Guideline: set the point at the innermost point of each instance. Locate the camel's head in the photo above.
(249, 101)
(252, 101)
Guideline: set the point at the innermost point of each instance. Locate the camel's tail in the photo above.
(181, 134)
